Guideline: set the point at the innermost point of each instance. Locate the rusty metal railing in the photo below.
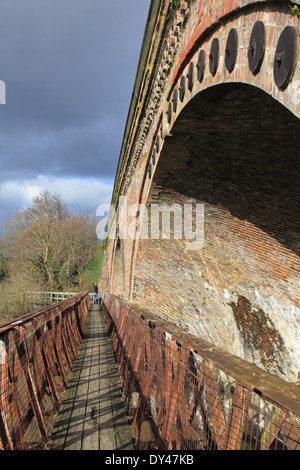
(183, 393)
(36, 357)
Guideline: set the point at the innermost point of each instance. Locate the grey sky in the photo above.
(69, 69)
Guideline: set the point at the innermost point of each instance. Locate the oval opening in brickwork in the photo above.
(182, 88)
(174, 100)
(285, 56)
(256, 48)
(190, 76)
(169, 112)
(201, 65)
(214, 56)
(231, 50)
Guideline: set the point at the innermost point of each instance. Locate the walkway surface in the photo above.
(92, 414)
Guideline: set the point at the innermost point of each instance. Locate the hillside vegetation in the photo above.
(47, 247)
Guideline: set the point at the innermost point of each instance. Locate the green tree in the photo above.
(4, 260)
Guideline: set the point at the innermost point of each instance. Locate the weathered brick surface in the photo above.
(233, 146)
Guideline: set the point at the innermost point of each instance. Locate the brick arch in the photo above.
(275, 19)
(233, 117)
(274, 16)
(274, 25)
(195, 27)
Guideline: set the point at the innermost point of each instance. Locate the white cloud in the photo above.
(69, 79)
(83, 195)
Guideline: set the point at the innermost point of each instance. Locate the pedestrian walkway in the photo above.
(92, 414)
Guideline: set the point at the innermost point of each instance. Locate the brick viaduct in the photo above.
(214, 123)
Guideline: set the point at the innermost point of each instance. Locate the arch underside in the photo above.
(233, 149)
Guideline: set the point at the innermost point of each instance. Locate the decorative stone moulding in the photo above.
(169, 112)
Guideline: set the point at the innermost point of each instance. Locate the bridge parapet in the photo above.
(183, 393)
(37, 352)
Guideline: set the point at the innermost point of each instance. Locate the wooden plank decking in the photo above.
(92, 414)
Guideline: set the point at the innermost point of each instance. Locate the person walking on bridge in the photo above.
(95, 289)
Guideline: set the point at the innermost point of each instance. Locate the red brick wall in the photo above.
(233, 148)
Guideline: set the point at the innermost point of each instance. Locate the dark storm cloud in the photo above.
(69, 68)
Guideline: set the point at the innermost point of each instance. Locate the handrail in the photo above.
(185, 393)
(7, 325)
(50, 293)
(37, 353)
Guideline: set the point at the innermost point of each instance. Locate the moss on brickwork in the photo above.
(258, 332)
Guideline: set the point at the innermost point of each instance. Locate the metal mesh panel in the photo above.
(177, 399)
(36, 358)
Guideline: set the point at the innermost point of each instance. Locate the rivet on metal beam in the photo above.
(214, 56)
(180, 19)
(231, 50)
(285, 55)
(256, 49)
(201, 65)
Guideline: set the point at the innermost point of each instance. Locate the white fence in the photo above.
(47, 298)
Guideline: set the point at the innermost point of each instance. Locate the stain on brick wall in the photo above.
(258, 332)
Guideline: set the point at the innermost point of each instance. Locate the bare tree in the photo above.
(54, 243)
